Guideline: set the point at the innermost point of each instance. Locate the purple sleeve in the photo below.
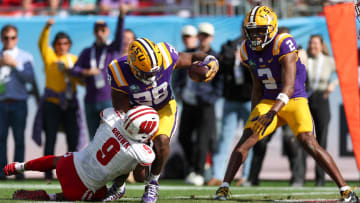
(83, 62)
(288, 45)
(173, 53)
(113, 82)
(116, 45)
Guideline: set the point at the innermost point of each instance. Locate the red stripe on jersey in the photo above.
(118, 113)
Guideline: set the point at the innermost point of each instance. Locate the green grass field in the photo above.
(175, 191)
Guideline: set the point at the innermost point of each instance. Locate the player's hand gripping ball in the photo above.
(197, 71)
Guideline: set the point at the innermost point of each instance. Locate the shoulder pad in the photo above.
(144, 154)
(283, 44)
(116, 77)
(169, 53)
(111, 116)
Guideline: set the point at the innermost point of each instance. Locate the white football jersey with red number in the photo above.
(110, 154)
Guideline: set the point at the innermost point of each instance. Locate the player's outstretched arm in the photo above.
(120, 101)
(186, 59)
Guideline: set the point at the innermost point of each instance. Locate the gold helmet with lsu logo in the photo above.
(145, 60)
(260, 26)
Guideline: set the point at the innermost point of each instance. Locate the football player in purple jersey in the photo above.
(143, 78)
(278, 97)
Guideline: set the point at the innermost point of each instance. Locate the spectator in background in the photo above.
(60, 105)
(16, 69)
(198, 114)
(128, 37)
(190, 40)
(320, 67)
(83, 6)
(91, 66)
(237, 95)
(112, 7)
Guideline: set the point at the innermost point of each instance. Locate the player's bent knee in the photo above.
(309, 142)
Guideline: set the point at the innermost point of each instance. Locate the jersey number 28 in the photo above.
(154, 96)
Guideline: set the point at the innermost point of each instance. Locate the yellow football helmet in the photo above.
(260, 26)
(145, 60)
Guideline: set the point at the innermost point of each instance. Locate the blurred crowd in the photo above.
(183, 8)
(203, 147)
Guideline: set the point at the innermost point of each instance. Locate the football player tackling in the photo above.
(143, 77)
(118, 146)
(278, 97)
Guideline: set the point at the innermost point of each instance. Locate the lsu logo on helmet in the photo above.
(145, 60)
(260, 22)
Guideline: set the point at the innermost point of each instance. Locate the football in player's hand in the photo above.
(197, 72)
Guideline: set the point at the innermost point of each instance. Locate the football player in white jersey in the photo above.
(118, 146)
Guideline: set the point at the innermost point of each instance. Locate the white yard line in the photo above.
(168, 187)
(311, 191)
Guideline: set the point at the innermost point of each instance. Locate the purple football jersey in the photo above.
(123, 80)
(267, 68)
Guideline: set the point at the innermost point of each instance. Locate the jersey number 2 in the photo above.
(108, 151)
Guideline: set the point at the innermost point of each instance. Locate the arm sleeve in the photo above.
(46, 51)
(76, 71)
(144, 154)
(170, 54)
(116, 78)
(116, 45)
(25, 69)
(244, 58)
(284, 45)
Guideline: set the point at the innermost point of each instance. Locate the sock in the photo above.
(52, 196)
(122, 187)
(344, 188)
(152, 177)
(45, 163)
(20, 167)
(225, 184)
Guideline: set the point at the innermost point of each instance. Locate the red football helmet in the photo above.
(141, 123)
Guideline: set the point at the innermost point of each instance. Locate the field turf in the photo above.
(175, 191)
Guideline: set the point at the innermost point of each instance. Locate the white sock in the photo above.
(225, 184)
(152, 177)
(52, 196)
(122, 187)
(20, 167)
(344, 188)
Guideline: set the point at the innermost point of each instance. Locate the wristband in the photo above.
(283, 97)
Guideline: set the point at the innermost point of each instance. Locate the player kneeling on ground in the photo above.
(118, 146)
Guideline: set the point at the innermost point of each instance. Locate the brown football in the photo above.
(197, 72)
